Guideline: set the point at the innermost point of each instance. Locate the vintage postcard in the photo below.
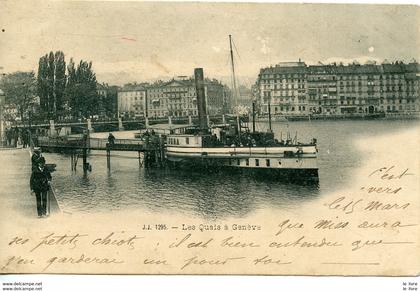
(209, 138)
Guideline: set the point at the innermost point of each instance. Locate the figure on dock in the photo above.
(111, 139)
(40, 184)
(9, 137)
(36, 156)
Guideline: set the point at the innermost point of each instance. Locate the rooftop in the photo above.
(355, 68)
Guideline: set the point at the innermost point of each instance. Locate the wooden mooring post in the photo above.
(140, 159)
(150, 155)
(153, 153)
(151, 159)
(73, 160)
(85, 163)
(108, 157)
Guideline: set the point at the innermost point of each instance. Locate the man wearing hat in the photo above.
(36, 156)
(40, 184)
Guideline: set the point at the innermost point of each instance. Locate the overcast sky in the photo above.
(129, 41)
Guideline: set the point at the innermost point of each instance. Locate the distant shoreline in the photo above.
(392, 116)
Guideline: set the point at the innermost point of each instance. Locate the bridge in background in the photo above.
(63, 128)
(78, 143)
(59, 137)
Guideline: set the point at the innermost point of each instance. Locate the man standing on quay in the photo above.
(40, 184)
(36, 156)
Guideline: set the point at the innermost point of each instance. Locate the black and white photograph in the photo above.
(204, 138)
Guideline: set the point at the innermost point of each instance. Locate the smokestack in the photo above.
(201, 98)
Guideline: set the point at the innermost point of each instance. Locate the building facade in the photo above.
(298, 89)
(107, 100)
(217, 97)
(175, 98)
(131, 100)
(284, 87)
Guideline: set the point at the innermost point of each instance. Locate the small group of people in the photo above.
(151, 139)
(16, 137)
(233, 139)
(40, 182)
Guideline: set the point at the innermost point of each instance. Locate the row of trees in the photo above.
(51, 83)
(19, 89)
(64, 90)
(64, 94)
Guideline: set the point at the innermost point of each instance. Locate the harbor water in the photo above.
(210, 195)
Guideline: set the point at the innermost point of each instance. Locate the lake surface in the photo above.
(219, 195)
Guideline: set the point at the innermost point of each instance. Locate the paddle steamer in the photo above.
(235, 146)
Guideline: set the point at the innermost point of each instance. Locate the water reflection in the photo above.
(212, 196)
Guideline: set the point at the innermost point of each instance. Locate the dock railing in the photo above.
(101, 143)
(77, 142)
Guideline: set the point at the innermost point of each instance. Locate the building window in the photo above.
(238, 162)
(247, 162)
(267, 162)
(187, 140)
(257, 162)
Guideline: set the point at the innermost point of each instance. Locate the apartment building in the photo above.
(336, 89)
(176, 98)
(132, 100)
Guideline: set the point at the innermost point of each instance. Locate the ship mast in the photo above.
(233, 72)
(269, 113)
(238, 121)
(253, 116)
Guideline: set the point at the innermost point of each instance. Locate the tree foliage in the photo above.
(60, 95)
(81, 89)
(19, 89)
(42, 86)
(63, 95)
(111, 102)
(59, 82)
(51, 83)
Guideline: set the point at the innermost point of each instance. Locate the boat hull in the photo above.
(276, 158)
(292, 175)
(289, 161)
(290, 169)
